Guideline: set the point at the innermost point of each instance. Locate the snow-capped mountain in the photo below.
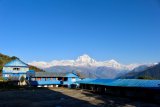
(84, 61)
(88, 66)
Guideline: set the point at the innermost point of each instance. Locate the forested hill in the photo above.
(5, 59)
(152, 72)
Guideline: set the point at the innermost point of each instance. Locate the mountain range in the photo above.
(84, 61)
(87, 66)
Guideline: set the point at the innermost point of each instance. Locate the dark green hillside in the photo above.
(4, 59)
(35, 69)
(152, 72)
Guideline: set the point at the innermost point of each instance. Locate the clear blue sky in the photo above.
(124, 30)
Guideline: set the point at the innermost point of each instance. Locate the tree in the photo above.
(14, 57)
(1, 65)
(10, 78)
(145, 77)
(22, 79)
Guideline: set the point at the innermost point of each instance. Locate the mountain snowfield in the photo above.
(84, 61)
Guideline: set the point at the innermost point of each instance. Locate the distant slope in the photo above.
(151, 72)
(88, 72)
(5, 59)
(35, 69)
(132, 73)
(85, 72)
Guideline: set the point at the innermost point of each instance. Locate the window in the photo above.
(33, 79)
(59, 78)
(38, 79)
(65, 79)
(16, 69)
(73, 79)
(6, 75)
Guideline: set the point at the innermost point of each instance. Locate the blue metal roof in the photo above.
(54, 74)
(45, 82)
(16, 63)
(123, 82)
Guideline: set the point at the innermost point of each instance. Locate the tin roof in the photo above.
(16, 63)
(122, 82)
(45, 82)
(54, 74)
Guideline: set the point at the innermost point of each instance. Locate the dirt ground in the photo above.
(63, 97)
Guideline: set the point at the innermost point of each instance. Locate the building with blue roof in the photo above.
(15, 69)
(148, 90)
(122, 82)
(49, 79)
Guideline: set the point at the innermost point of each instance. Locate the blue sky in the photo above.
(124, 30)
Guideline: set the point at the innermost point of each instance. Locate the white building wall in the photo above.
(10, 69)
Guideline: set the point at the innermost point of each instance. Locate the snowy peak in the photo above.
(85, 59)
(113, 61)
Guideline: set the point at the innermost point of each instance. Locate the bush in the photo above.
(22, 79)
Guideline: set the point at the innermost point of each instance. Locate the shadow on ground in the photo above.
(62, 97)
